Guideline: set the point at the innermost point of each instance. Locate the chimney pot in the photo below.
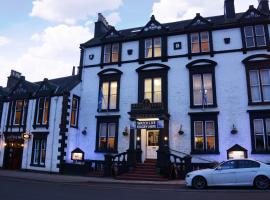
(264, 6)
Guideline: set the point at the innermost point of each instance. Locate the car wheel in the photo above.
(261, 182)
(199, 182)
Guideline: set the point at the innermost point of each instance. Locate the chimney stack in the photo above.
(229, 9)
(101, 26)
(263, 7)
(14, 78)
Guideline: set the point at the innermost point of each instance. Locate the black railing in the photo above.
(119, 164)
(96, 167)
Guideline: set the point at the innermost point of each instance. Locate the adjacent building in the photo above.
(198, 87)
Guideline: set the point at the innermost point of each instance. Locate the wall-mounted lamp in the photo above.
(125, 132)
(91, 56)
(166, 138)
(181, 132)
(84, 132)
(26, 136)
(234, 130)
(138, 138)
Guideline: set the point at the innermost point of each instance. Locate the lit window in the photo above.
(43, 110)
(153, 47)
(19, 112)
(111, 53)
(153, 90)
(202, 89)
(74, 112)
(200, 42)
(109, 95)
(107, 136)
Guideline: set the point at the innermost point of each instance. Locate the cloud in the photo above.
(70, 11)
(55, 52)
(113, 18)
(174, 10)
(4, 40)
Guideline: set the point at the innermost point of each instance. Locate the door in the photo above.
(152, 144)
(225, 174)
(246, 171)
(13, 155)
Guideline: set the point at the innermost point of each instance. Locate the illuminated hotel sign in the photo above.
(147, 124)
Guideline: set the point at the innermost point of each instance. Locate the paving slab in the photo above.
(57, 178)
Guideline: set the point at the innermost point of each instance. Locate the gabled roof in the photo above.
(26, 89)
(252, 14)
(199, 22)
(180, 27)
(236, 147)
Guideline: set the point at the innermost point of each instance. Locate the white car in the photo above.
(240, 172)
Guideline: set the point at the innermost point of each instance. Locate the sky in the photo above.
(41, 38)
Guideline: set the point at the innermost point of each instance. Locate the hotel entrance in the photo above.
(13, 152)
(152, 144)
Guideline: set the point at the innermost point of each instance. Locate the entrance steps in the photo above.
(143, 172)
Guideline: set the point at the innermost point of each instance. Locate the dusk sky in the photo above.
(40, 38)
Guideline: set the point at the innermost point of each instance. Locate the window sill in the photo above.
(105, 151)
(255, 48)
(110, 110)
(37, 165)
(204, 152)
(41, 126)
(74, 126)
(208, 106)
(258, 103)
(260, 152)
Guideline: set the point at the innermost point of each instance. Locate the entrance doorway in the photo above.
(13, 155)
(152, 144)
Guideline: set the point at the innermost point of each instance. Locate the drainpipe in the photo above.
(53, 133)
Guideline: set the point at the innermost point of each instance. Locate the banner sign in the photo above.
(147, 124)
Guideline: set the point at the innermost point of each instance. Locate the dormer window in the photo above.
(152, 47)
(255, 36)
(200, 42)
(111, 53)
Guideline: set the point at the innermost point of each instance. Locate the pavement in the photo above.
(57, 178)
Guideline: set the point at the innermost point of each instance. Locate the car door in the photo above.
(224, 174)
(246, 171)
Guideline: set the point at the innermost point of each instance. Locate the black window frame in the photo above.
(146, 72)
(202, 67)
(266, 32)
(1, 111)
(36, 124)
(253, 115)
(107, 119)
(11, 113)
(153, 47)
(77, 110)
(210, 36)
(109, 75)
(204, 117)
(119, 54)
(41, 136)
(256, 65)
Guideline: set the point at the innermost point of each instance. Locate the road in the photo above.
(17, 189)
